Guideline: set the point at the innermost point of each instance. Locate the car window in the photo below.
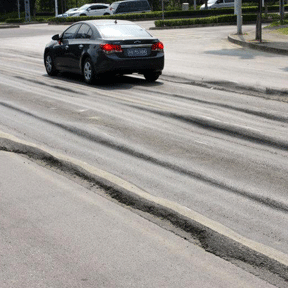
(99, 7)
(130, 6)
(127, 7)
(114, 5)
(84, 7)
(95, 7)
(122, 7)
(141, 5)
(144, 5)
(84, 32)
(127, 31)
(70, 32)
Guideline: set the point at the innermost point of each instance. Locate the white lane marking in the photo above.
(201, 143)
(237, 125)
(249, 128)
(213, 119)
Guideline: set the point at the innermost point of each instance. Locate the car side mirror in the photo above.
(56, 37)
(89, 9)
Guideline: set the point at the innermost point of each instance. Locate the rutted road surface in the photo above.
(55, 233)
(218, 153)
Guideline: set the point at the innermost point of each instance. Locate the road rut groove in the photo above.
(267, 201)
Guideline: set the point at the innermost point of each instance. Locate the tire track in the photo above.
(223, 128)
(131, 151)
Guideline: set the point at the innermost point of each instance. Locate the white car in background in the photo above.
(66, 14)
(94, 9)
(212, 4)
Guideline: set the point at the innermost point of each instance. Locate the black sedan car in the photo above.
(105, 47)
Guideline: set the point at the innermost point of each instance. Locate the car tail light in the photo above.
(110, 48)
(157, 46)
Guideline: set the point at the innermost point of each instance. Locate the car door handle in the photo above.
(66, 47)
(81, 46)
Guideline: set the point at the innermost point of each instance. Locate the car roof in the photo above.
(91, 4)
(108, 22)
(98, 4)
(127, 1)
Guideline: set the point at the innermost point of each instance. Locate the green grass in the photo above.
(283, 31)
(278, 23)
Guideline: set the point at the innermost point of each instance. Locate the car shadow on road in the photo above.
(242, 53)
(110, 83)
(285, 69)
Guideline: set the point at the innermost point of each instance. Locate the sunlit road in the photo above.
(219, 153)
(55, 233)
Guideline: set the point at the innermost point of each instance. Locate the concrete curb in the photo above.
(258, 46)
(203, 25)
(230, 86)
(33, 23)
(3, 26)
(209, 234)
(191, 26)
(6, 26)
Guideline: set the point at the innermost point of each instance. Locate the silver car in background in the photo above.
(94, 9)
(67, 13)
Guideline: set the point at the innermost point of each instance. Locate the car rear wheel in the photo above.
(49, 65)
(152, 76)
(88, 71)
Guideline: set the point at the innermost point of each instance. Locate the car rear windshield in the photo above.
(84, 7)
(122, 31)
(114, 5)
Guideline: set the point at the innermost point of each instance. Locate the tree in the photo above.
(32, 7)
(282, 12)
(7, 6)
(63, 5)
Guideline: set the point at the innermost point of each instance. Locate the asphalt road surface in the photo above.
(222, 154)
(57, 234)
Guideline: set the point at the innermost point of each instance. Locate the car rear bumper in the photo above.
(115, 64)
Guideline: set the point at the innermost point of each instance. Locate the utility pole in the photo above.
(259, 22)
(238, 12)
(18, 5)
(56, 8)
(27, 11)
(281, 8)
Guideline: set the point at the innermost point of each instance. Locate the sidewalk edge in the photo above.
(259, 46)
(6, 26)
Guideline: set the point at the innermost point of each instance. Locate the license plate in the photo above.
(137, 52)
